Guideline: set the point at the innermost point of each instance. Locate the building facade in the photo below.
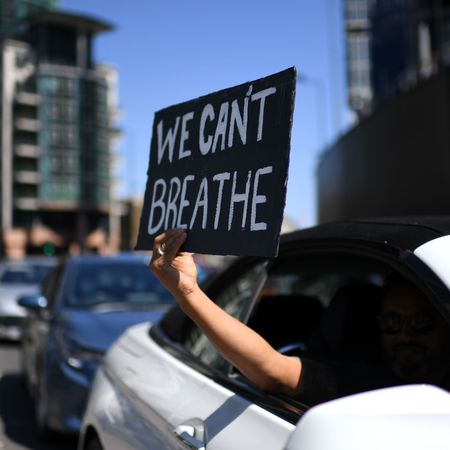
(58, 137)
(395, 160)
(393, 163)
(13, 13)
(357, 43)
(391, 46)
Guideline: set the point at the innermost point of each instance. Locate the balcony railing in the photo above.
(26, 203)
(27, 98)
(26, 124)
(27, 177)
(27, 150)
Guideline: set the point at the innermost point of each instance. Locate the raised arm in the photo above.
(239, 344)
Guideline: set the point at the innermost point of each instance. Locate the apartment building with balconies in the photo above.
(58, 137)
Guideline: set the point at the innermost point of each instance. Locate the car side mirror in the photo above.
(402, 417)
(33, 302)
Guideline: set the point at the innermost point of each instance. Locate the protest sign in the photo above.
(218, 168)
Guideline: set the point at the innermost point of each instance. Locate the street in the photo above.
(17, 427)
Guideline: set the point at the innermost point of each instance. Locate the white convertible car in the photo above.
(166, 387)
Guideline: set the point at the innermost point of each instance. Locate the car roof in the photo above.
(403, 233)
(115, 258)
(42, 260)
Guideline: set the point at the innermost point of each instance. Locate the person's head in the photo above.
(415, 337)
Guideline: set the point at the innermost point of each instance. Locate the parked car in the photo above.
(85, 304)
(18, 277)
(165, 386)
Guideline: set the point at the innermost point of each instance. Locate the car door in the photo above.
(216, 413)
(38, 326)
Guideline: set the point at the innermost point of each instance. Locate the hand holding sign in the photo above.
(177, 271)
(218, 167)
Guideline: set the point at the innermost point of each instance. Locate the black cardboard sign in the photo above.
(218, 168)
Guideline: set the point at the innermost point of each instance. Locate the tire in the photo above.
(93, 444)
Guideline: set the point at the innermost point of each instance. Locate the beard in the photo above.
(410, 362)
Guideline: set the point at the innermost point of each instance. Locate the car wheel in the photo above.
(93, 444)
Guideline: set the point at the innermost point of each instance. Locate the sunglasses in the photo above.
(393, 323)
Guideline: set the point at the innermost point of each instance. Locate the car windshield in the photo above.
(93, 284)
(24, 273)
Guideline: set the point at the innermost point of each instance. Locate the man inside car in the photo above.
(415, 339)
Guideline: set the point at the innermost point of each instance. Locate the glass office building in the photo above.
(14, 12)
(391, 46)
(58, 135)
(357, 26)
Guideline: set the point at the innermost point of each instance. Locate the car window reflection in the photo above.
(94, 284)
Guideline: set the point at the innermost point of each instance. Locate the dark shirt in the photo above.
(326, 380)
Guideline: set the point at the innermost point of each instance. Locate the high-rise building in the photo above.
(58, 133)
(14, 12)
(395, 160)
(392, 45)
(357, 27)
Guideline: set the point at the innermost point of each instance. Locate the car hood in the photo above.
(97, 330)
(9, 296)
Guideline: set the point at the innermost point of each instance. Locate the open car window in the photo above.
(323, 308)
(284, 303)
(297, 291)
(235, 299)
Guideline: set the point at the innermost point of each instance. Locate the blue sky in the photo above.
(169, 51)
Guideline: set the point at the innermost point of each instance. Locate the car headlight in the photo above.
(76, 356)
(79, 358)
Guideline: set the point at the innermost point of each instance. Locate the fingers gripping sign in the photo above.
(176, 270)
(167, 244)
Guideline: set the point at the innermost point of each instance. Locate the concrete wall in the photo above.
(395, 162)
